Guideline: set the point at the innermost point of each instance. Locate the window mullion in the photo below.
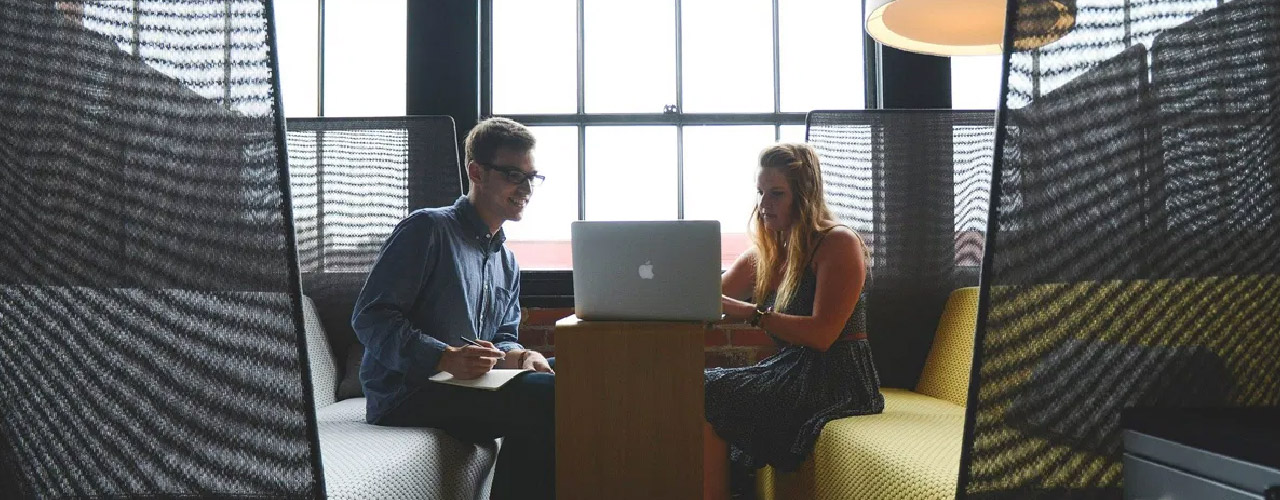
(582, 104)
(679, 171)
(777, 65)
(582, 171)
(582, 35)
(657, 119)
(679, 111)
(679, 59)
(320, 58)
(486, 58)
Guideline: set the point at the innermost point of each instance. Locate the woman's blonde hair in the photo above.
(799, 163)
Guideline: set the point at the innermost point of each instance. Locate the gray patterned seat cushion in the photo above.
(363, 461)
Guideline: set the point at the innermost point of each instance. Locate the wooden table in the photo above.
(629, 412)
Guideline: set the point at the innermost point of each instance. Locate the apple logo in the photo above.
(646, 270)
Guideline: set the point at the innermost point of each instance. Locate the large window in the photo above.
(649, 110)
(356, 69)
(975, 82)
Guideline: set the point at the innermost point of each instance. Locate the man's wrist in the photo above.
(444, 354)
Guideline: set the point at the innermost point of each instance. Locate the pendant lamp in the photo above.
(966, 27)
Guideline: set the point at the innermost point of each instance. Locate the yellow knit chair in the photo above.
(946, 371)
(912, 450)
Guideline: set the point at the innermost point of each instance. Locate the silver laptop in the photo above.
(646, 270)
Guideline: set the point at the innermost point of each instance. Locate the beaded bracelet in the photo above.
(759, 315)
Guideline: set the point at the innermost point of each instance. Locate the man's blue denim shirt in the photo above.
(440, 276)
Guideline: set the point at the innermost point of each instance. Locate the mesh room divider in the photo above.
(353, 180)
(151, 338)
(914, 184)
(1134, 243)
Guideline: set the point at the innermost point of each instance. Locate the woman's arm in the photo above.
(739, 281)
(841, 270)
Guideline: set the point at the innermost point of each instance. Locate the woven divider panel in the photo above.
(915, 185)
(1136, 257)
(149, 341)
(354, 179)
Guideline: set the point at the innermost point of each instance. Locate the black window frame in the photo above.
(449, 72)
(554, 288)
(677, 118)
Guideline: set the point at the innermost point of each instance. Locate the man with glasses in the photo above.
(444, 296)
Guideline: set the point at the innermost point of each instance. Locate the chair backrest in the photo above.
(946, 370)
(915, 185)
(324, 369)
(1132, 260)
(353, 179)
(150, 324)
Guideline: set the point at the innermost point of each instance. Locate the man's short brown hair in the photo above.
(493, 134)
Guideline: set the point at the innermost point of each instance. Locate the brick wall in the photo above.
(726, 345)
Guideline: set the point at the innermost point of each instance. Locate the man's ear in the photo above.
(473, 172)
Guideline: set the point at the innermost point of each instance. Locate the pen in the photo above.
(477, 344)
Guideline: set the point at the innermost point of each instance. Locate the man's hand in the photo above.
(535, 361)
(468, 361)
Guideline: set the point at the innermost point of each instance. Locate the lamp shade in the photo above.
(966, 27)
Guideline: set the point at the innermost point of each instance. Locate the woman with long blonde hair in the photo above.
(802, 283)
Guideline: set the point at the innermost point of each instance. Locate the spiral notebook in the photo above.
(491, 381)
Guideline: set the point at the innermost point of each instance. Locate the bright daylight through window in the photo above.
(642, 109)
(364, 54)
(660, 111)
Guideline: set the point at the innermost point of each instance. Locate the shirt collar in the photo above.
(475, 226)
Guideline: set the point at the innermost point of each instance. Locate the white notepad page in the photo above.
(490, 381)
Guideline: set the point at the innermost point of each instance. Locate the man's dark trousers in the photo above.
(522, 412)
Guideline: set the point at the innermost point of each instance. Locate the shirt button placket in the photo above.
(485, 301)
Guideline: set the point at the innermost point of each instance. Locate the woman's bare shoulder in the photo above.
(839, 242)
(748, 257)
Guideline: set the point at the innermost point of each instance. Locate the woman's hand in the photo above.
(736, 311)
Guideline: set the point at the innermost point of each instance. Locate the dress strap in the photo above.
(824, 238)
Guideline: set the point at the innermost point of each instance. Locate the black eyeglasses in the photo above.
(517, 176)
